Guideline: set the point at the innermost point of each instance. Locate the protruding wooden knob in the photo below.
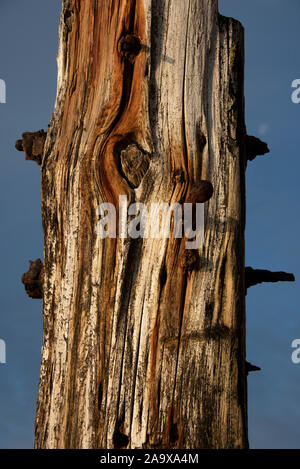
(200, 192)
(33, 279)
(32, 144)
(19, 145)
(256, 276)
(250, 368)
(255, 147)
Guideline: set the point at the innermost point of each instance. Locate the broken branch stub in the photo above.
(33, 279)
(255, 147)
(250, 368)
(256, 276)
(32, 143)
(200, 192)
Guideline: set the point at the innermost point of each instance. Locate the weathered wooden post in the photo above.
(139, 352)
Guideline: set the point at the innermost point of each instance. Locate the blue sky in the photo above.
(272, 235)
(28, 38)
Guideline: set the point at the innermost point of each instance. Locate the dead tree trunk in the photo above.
(142, 348)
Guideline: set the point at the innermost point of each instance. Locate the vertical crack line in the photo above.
(132, 16)
(182, 304)
(184, 287)
(128, 276)
(136, 365)
(122, 360)
(126, 91)
(185, 147)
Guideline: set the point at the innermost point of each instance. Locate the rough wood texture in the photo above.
(139, 351)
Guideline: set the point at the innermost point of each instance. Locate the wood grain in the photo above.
(139, 352)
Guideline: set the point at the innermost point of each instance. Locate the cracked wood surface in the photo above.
(139, 352)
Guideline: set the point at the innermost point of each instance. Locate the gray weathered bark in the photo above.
(139, 351)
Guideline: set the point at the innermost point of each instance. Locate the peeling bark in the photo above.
(144, 343)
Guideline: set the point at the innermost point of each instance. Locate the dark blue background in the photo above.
(28, 47)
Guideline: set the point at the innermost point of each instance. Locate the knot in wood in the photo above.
(33, 279)
(178, 176)
(200, 192)
(130, 46)
(189, 260)
(135, 164)
(68, 19)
